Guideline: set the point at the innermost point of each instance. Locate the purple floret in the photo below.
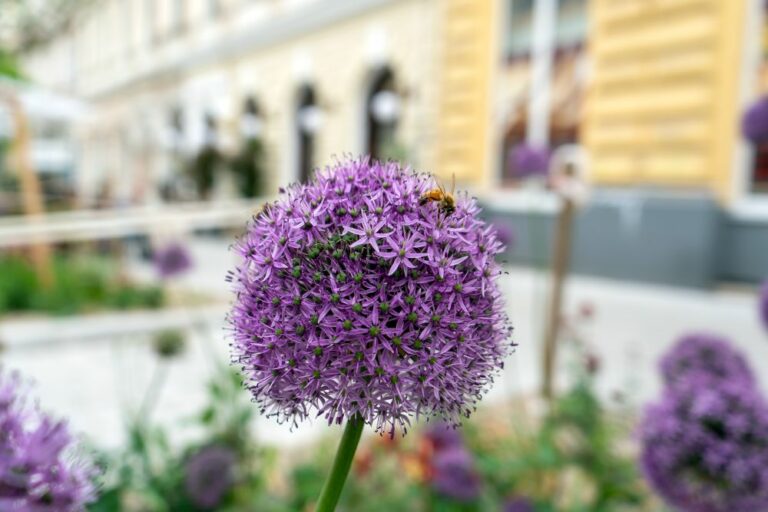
(210, 474)
(39, 470)
(706, 355)
(754, 124)
(705, 447)
(354, 298)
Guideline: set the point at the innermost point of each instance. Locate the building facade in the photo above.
(314, 78)
(651, 92)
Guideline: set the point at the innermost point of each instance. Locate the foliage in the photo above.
(168, 343)
(9, 65)
(571, 462)
(79, 284)
(203, 167)
(150, 475)
(27, 25)
(248, 168)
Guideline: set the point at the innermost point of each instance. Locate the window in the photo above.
(520, 28)
(210, 131)
(251, 123)
(571, 29)
(570, 26)
(758, 175)
(308, 121)
(176, 128)
(382, 112)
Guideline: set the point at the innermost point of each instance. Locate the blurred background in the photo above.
(617, 145)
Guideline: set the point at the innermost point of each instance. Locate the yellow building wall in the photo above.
(464, 106)
(662, 107)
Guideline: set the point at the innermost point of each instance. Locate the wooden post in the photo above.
(561, 255)
(30, 185)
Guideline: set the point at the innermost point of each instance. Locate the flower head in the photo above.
(705, 447)
(39, 471)
(763, 304)
(708, 355)
(526, 161)
(754, 124)
(172, 260)
(210, 475)
(353, 298)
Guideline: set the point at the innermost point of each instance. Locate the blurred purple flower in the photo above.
(453, 474)
(763, 304)
(504, 232)
(39, 469)
(443, 435)
(172, 260)
(527, 161)
(354, 298)
(519, 505)
(705, 446)
(210, 474)
(704, 355)
(754, 124)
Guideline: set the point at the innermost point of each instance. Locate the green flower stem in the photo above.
(329, 497)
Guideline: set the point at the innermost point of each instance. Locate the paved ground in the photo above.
(96, 375)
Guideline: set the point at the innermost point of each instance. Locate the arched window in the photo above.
(308, 120)
(382, 105)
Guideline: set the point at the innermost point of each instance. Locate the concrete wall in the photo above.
(647, 236)
(744, 250)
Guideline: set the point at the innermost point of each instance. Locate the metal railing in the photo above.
(85, 225)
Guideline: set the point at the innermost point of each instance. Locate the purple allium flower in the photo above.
(172, 260)
(518, 505)
(754, 124)
(210, 474)
(528, 161)
(453, 474)
(39, 470)
(352, 298)
(763, 304)
(706, 354)
(705, 447)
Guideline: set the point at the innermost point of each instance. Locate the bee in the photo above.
(445, 200)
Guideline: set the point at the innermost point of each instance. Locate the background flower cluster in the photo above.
(705, 443)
